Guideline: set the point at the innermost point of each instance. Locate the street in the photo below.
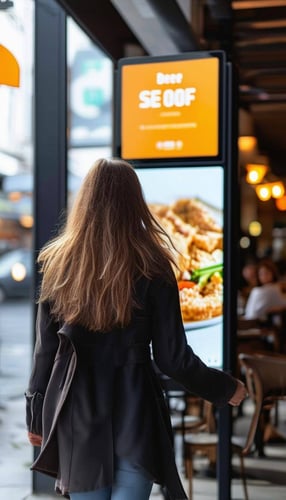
(15, 347)
(15, 362)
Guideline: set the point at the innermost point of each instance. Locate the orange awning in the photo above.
(9, 68)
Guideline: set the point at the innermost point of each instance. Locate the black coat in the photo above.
(96, 394)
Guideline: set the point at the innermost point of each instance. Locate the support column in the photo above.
(50, 122)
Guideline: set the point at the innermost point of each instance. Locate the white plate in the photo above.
(196, 325)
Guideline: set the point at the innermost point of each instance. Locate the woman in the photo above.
(108, 291)
(267, 297)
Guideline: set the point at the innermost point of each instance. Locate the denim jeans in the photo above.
(130, 483)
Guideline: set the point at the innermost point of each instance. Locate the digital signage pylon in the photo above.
(174, 122)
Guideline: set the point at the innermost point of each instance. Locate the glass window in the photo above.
(90, 88)
(16, 223)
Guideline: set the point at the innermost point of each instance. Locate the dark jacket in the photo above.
(95, 394)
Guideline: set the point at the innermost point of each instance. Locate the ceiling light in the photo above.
(244, 242)
(247, 142)
(270, 189)
(277, 190)
(281, 203)
(264, 192)
(255, 172)
(255, 228)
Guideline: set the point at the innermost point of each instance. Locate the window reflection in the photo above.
(16, 151)
(90, 87)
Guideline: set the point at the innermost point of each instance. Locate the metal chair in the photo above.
(266, 384)
(252, 336)
(205, 443)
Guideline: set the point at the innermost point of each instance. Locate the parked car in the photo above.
(15, 274)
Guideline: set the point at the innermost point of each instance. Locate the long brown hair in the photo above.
(109, 240)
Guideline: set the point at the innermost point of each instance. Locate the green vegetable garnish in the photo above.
(202, 276)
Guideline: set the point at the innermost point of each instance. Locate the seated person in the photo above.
(263, 300)
(267, 296)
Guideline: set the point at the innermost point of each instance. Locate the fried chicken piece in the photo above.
(195, 213)
(200, 258)
(208, 240)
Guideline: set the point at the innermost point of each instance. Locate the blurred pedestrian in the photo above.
(108, 292)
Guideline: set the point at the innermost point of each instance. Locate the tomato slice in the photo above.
(185, 284)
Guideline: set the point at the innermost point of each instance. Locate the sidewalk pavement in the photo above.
(267, 476)
(16, 452)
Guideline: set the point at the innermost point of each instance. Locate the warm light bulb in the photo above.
(244, 242)
(255, 173)
(247, 142)
(278, 190)
(281, 203)
(263, 192)
(252, 177)
(255, 228)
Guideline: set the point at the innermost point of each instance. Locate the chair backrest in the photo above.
(266, 380)
(253, 336)
(266, 373)
(245, 324)
(208, 415)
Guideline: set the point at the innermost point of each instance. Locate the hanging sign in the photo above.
(9, 68)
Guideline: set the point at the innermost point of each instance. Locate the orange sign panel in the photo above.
(9, 68)
(170, 109)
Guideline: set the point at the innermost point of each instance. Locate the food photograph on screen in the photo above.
(188, 204)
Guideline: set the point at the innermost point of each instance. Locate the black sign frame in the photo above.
(222, 108)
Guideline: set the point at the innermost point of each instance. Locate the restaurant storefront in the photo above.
(55, 121)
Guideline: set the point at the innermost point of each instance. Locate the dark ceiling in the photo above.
(252, 32)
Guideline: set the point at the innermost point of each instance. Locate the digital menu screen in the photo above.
(188, 203)
(170, 109)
